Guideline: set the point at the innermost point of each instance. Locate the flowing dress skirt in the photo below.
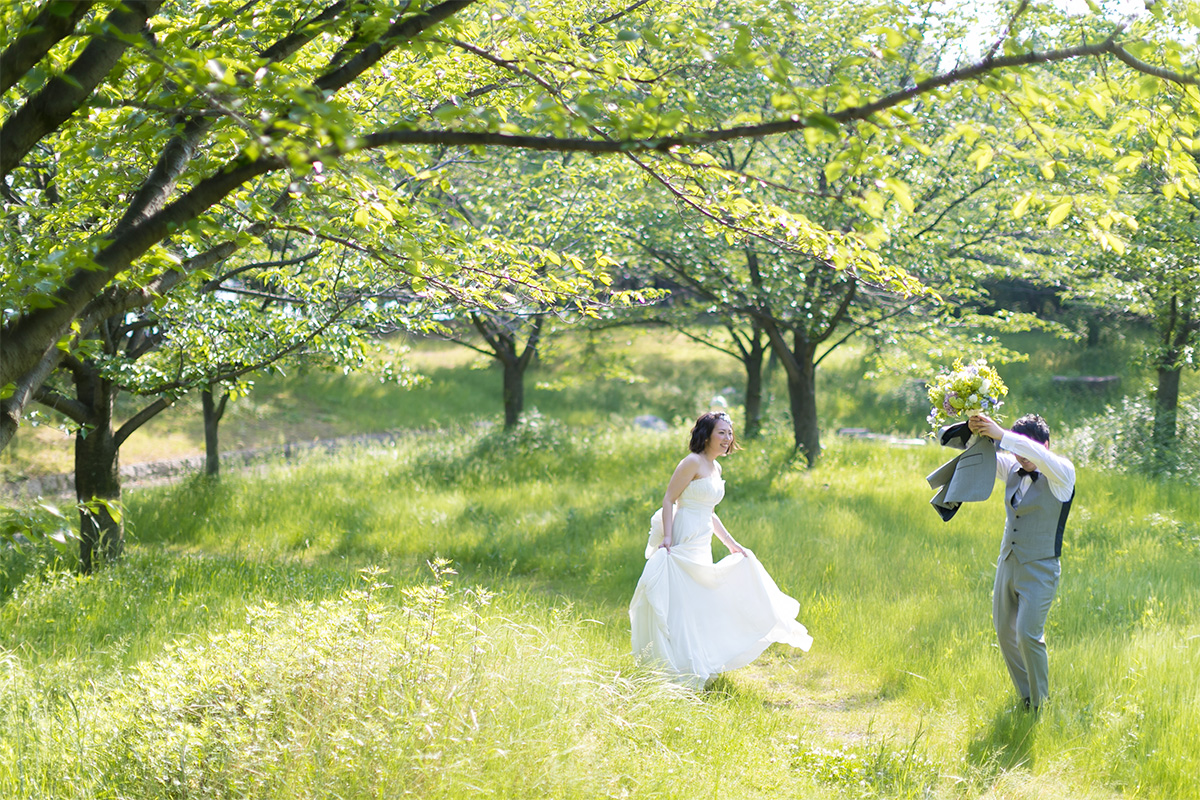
(695, 618)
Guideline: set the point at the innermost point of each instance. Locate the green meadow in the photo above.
(446, 616)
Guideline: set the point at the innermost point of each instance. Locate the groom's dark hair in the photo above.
(702, 431)
(1034, 427)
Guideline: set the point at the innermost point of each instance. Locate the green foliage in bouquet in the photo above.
(969, 389)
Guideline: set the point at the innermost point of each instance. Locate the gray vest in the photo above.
(1034, 528)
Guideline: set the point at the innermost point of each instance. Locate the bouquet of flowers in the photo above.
(968, 390)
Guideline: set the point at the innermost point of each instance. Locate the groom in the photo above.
(1039, 488)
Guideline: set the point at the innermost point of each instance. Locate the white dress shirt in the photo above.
(1058, 470)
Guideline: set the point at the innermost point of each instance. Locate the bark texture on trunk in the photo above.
(213, 411)
(754, 396)
(802, 391)
(1166, 413)
(98, 475)
(514, 390)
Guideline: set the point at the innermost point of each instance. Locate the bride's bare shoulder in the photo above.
(695, 466)
(690, 465)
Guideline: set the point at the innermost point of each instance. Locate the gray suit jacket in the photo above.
(968, 477)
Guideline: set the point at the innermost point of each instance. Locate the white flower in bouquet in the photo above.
(969, 389)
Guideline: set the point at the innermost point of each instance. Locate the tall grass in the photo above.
(249, 645)
(239, 652)
(437, 693)
(607, 379)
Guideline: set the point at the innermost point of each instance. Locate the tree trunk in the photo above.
(98, 476)
(8, 426)
(514, 390)
(1093, 329)
(754, 392)
(799, 363)
(501, 337)
(212, 419)
(1166, 409)
(802, 392)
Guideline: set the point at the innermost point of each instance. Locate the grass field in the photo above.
(602, 380)
(282, 634)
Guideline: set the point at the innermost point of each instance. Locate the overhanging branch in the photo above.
(410, 136)
(139, 419)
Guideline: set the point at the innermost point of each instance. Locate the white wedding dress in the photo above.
(696, 619)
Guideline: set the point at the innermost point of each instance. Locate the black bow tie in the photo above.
(1032, 473)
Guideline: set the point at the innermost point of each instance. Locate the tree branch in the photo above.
(139, 419)
(1127, 58)
(707, 343)
(216, 282)
(405, 29)
(279, 298)
(493, 340)
(36, 39)
(859, 327)
(794, 124)
(308, 30)
(837, 316)
(618, 14)
(951, 206)
(71, 409)
(175, 156)
(237, 371)
(25, 384)
(64, 94)
(531, 342)
(1004, 32)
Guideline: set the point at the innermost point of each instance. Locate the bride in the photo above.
(691, 617)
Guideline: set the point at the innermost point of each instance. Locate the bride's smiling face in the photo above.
(721, 439)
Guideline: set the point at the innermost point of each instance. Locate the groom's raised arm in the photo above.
(1059, 470)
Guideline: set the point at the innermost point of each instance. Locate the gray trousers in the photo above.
(1020, 602)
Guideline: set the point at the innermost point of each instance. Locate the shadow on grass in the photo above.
(174, 515)
(721, 688)
(1007, 743)
(566, 551)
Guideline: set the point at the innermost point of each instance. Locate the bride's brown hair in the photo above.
(702, 432)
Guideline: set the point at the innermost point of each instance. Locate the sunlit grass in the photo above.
(903, 695)
(132, 683)
(593, 380)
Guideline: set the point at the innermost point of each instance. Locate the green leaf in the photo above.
(1059, 213)
(114, 509)
(823, 122)
(874, 203)
(982, 157)
(1128, 163)
(39, 300)
(1021, 206)
(968, 133)
(51, 510)
(1114, 242)
(892, 37)
(901, 193)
